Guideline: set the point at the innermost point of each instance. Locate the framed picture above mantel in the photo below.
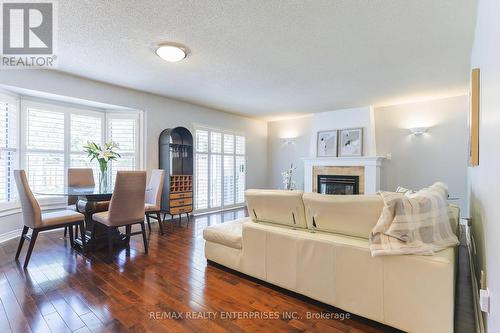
(351, 142)
(326, 145)
(342, 143)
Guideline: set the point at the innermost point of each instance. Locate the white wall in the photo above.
(438, 155)
(416, 162)
(345, 118)
(281, 155)
(160, 113)
(304, 132)
(485, 178)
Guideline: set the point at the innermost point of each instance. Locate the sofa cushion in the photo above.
(228, 233)
(454, 218)
(276, 207)
(352, 215)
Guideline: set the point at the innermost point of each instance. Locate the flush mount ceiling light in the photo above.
(171, 52)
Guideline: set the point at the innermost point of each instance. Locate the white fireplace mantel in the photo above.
(372, 166)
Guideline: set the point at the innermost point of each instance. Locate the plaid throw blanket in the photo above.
(416, 223)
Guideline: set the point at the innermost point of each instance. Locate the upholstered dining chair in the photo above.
(34, 219)
(125, 209)
(152, 205)
(83, 177)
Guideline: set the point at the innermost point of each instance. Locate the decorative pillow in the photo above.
(404, 190)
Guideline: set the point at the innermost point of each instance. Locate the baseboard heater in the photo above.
(471, 249)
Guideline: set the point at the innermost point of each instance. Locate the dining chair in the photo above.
(82, 177)
(152, 205)
(125, 209)
(34, 219)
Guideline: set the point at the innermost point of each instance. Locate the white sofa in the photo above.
(333, 264)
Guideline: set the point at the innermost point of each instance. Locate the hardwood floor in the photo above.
(62, 291)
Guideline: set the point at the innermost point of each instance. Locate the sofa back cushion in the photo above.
(277, 207)
(352, 215)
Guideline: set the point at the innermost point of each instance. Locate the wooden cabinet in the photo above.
(176, 158)
(181, 210)
(181, 202)
(181, 194)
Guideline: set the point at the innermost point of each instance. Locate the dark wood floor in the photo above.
(63, 291)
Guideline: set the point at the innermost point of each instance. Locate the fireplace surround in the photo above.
(338, 184)
(366, 167)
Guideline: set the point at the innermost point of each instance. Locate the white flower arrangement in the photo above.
(103, 154)
(287, 175)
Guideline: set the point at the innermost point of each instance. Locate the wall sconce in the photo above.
(418, 130)
(289, 141)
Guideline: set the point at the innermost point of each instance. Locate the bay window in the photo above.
(47, 138)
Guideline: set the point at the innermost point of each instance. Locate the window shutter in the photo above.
(228, 180)
(240, 145)
(45, 149)
(216, 181)
(228, 144)
(45, 130)
(215, 142)
(8, 147)
(220, 169)
(124, 131)
(84, 128)
(202, 141)
(201, 181)
(240, 179)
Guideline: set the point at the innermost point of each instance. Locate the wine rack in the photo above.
(176, 158)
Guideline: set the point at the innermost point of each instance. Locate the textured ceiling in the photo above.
(262, 58)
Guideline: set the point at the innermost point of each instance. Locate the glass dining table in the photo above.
(90, 200)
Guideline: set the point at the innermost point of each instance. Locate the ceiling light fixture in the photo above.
(171, 52)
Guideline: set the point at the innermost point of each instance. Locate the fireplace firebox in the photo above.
(338, 184)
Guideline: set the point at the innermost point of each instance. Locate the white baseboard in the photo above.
(9, 235)
(16, 233)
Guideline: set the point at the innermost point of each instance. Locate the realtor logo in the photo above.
(28, 34)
